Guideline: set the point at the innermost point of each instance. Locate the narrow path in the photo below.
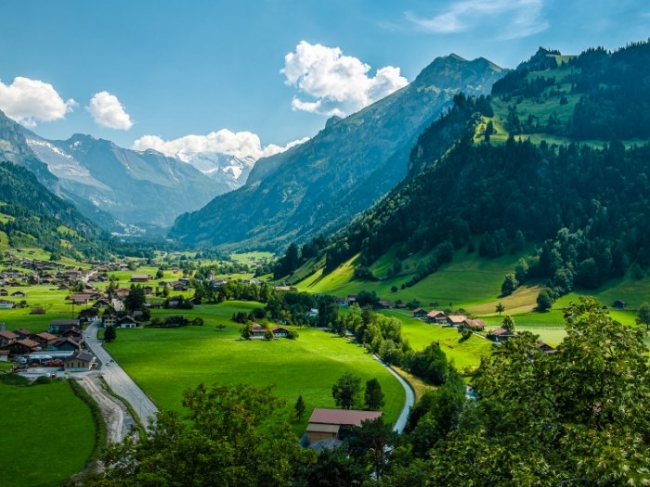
(113, 411)
(409, 399)
(118, 380)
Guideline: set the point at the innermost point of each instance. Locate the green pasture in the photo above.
(465, 354)
(47, 434)
(165, 362)
(251, 257)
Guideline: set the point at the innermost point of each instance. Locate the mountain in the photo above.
(232, 171)
(557, 156)
(31, 216)
(318, 186)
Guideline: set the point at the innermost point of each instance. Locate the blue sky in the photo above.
(244, 76)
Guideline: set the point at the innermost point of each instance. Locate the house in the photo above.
(80, 361)
(419, 313)
(61, 326)
(382, 304)
(19, 294)
(109, 319)
(101, 304)
(37, 311)
(327, 424)
(545, 348)
(127, 322)
(80, 298)
(44, 339)
(7, 337)
(279, 332)
(4, 304)
(438, 317)
(72, 333)
(340, 301)
(257, 331)
(478, 325)
(23, 333)
(456, 320)
(140, 278)
(4, 292)
(23, 347)
(352, 298)
(500, 335)
(619, 304)
(66, 344)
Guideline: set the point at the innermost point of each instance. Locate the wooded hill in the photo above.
(567, 182)
(31, 216)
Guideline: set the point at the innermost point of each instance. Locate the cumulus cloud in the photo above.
(517, 18)
(336, 84)
(29, 101)
(107, 111)
(239, 144)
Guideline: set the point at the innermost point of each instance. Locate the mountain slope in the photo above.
(318, 186)
(587, 202)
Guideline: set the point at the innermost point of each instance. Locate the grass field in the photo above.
(47, 434)
(165, 362)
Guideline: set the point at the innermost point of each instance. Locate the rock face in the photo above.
(320, 185)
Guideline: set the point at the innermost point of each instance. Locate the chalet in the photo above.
(545, 348)
(127, 322)
(140, 278)
(66, 344)
(257, 332)
(88, 314)
(500, 335)
(122, 292)
(438, 317)
(327, 424)
(23, 347)
(37, 311)
(5, 304)
(43, 339)
(154, 305)
(72, 333)
(7, 337)
(382, 304)
(61, 326)
(619, 304)
(148, 290)
(18, 294)
(80, 298)
(340, 301)
(279, 332)
(101, 304)
(196, 301)
(80, 361)
(419, 313)
(478, 325)
(4, 292)
(457, 320)
(109, 319)
(23, 333)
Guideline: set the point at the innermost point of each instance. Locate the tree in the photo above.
(509, 285)
(576, 417)
(508, 323)
(300, 408)
(373, 396)
(545, 299)
(160, 274)
(135, 300)
(373, 442)
(237, 436)
(500, 308)
(643, 315)
(346, 390)
(110, 334)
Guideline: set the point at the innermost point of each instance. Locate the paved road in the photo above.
(409, 399)
(118, 379)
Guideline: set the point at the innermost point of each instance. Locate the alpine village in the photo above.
(447, 287)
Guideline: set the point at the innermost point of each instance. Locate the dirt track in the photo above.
(116, 416)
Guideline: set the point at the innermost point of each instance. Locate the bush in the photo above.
(42, 379)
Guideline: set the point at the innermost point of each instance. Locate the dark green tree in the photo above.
(508, 323)
(373, 443)
(500, 308)
(346, 390)
(373, 396)
(643, 315)
(300, 408)
(110, 333)
(509, 285)
(136, 299)
(545, 299)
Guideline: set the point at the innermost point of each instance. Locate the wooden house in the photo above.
(80, 361)
(436, 316)
(327, 424)
(7, 337)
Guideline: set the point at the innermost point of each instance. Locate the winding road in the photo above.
(118, 380)
(409, 399)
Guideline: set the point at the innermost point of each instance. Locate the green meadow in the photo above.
(165, 362)
(47, 434)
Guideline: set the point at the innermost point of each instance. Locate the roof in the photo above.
(350, 417)
(322, 428)
(9, 335)
(457, 318)
(65, 322)
(501, 332)
(435, 312)
(28, 342)
(82, 355)
(46, 336)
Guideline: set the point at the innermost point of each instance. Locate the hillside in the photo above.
(555, 182)
(351, 162)
(31, 216)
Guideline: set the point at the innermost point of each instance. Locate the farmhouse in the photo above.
(326, 424)
(43, 339)
(472, 325)
(456, 320)
(257, 331)
(4, 304)
(438, 317)
(80, 361)
(500, 335)
(61, 326)
(23, 333)
(79, 298)
(279, 332)
(140, 278)
(66, 344)
(127, 322)
(23, 347)
(7, 337)
(419, 313)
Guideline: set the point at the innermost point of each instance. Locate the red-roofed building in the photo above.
(327, 424)
(7, 337)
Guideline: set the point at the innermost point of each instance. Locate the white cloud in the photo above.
(337, 84)
(107, 111)
(28, 101)
(240, 144)
(516, 18)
